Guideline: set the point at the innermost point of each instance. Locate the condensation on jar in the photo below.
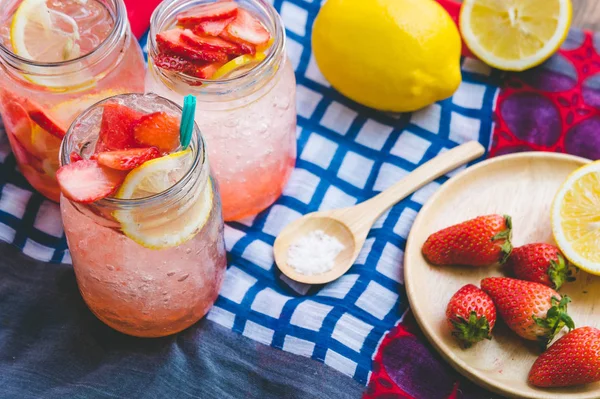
(248, 120)
(127, 281)
(40, 99)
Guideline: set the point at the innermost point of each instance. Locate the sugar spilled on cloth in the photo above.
(314, 253)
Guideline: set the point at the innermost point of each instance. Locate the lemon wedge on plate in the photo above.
(173, 225)
(576, 218)
(514, 35)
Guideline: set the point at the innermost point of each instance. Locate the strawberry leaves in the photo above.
(556, 319)
(472, 330)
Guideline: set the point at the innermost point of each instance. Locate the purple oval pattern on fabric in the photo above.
(574, 40)
(412, 367)
(512, 150)
(583, 139)
(556, 74)
(591, 91)
(596, 42)
(532, 118)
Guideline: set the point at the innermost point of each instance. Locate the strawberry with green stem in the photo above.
(482, 241)
(533, 311)
(471, 315)
(541, 263)
(574, 359)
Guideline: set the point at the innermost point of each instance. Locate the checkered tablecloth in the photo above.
(346, 154)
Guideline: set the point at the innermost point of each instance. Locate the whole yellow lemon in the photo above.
(391, 55)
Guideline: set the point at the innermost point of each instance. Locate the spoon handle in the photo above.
(419, 177)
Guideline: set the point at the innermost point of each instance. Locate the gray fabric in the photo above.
(51, 346)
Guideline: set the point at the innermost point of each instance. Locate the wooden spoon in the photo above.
(351, 225)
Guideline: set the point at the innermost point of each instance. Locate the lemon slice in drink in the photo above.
(40, 34)
(576, 218)
(514, 35)
(174, 224)
(236, 63)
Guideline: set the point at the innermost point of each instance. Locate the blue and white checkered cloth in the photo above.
(346, 154)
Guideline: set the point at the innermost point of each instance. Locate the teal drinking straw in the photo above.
(187, 120)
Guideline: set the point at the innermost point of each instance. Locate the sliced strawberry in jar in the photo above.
(209, 43)
(86, 181)
(246, 28)
(208, 12)
(158, 130)
(74, 157)
(116, 128)
(45, 121)
(212, 28)
(178, 64)
(169, 42)
(127, 159)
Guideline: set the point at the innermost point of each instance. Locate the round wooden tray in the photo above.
(523, 186)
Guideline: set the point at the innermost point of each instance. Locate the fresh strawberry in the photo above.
(540, 262)
(482, 241)
(116, 128)
(169, 42)
(247, 29)
(212, 28)
(207, 43)
(45, 121)
(74, 157)
(574, 359)
(208, 12)
(86, 181)
(178, 64)
(158, 130)
(127, 159)
(471, 314)
(532, 310)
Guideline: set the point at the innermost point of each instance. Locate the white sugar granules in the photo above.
(314, 253)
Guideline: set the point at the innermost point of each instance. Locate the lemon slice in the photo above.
(173, 225)
(237, 63)
(40, 34)
(576, 218)
(514, 35)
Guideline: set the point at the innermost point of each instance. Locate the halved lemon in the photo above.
(173, 225)
(514, 35)
(575, 216)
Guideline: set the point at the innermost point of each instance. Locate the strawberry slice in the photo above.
(86, 181)
(116, 128)
(209, 43)
(208, 12)
(212, 28)
(127, 159)
(169, 42)
(178, 64)
(158, 130)
(45, 121)
(74, 157)
(246, 28)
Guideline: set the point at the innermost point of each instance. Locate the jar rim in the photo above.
(166, 12)
(197, 145)
(118, 31)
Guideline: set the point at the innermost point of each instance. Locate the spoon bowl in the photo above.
(350, 226)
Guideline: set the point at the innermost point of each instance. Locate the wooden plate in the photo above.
(523, 186)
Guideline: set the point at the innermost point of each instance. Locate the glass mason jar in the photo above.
(39, 100)
(133, 287)
(249, 121)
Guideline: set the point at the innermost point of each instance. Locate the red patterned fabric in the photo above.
(139, 12)
(553, 107)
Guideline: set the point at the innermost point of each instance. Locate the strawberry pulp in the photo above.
(127, 139)
(207, 37)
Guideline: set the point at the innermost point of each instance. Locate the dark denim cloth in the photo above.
(52, 346)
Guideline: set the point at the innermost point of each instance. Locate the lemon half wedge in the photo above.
(514, 35)
(575, 216)
(173, 225)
